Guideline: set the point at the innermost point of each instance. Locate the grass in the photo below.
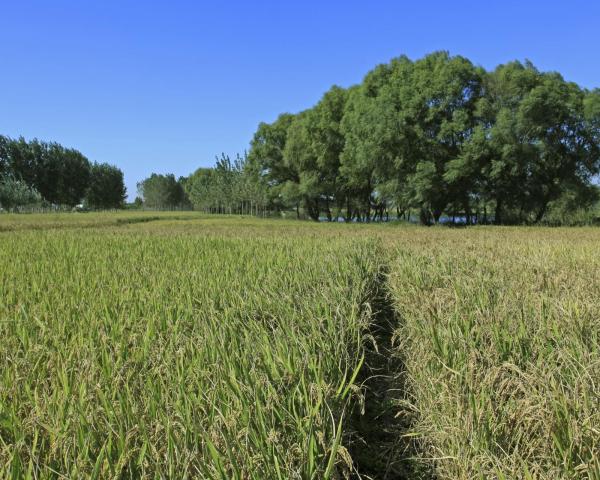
(143, 345)
(500, 331)
(48, 221)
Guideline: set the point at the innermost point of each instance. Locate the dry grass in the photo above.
(500, 329)
(50, 221)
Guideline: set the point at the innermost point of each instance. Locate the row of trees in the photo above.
(56, 175)
(162, 192)
(231, 186)
(430, 137)
(437, 135)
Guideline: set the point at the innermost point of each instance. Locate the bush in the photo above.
(16, 193)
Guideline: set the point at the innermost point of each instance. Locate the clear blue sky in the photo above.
(166, 86)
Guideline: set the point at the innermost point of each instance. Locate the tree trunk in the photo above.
(498, 212)
(541, 212)
(467, 212)
(424, 216)
(313, 210)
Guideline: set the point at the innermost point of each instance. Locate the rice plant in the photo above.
(129, 355)
(182, 346)
(500, 329)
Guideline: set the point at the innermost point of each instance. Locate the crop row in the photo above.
(132, 355)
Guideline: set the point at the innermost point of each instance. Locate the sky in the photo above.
(165, 86)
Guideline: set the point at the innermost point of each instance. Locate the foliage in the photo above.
(61, 175)
(162, 192)
(16, 193)
(106, 188)
(438, 135)
(229, 187)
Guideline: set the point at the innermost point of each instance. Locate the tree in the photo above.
(442, 102)
(403, 126)
(59, 174)
(20, 160)
(199, 188)
(266, 157)
(438, 134)
(303, 186)
(4, 152)
(312, 151)
(591, 112)
(228, 187)
(74, 177)
(106, 187)
(535, 143)
(16, 193)
(162, 191)
(369, 149)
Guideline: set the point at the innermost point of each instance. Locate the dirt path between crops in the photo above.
(381, 447)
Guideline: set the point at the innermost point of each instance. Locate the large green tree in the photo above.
(405, 124)
(61, 175)
(327, 144)
(106, 187)
(303, 187)
(370, 127)
(438, 135)
(74, 173)
(441, 107)
(266, 158)
(201, 189)
(162, 191)
(532, 142)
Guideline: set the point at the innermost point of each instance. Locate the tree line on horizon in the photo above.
(431, 137)
(426, 138)
(46, 173)
(231, 186)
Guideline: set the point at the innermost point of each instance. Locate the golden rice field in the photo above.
(174, 345)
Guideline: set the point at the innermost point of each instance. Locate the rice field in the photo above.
(175, 345)
(128, 355)
(500, 331)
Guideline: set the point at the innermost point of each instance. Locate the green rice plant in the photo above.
(182, 346)
(136, 355)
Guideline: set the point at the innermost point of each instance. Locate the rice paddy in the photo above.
(144, 345)
(501, 335)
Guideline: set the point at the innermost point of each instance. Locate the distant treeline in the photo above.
(427, 138)
(231, 186)
(38, 172)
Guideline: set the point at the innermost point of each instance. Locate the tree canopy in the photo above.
(60, 175)
(231, 186)
(437, 136)
(162, 191)
(106, 187)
